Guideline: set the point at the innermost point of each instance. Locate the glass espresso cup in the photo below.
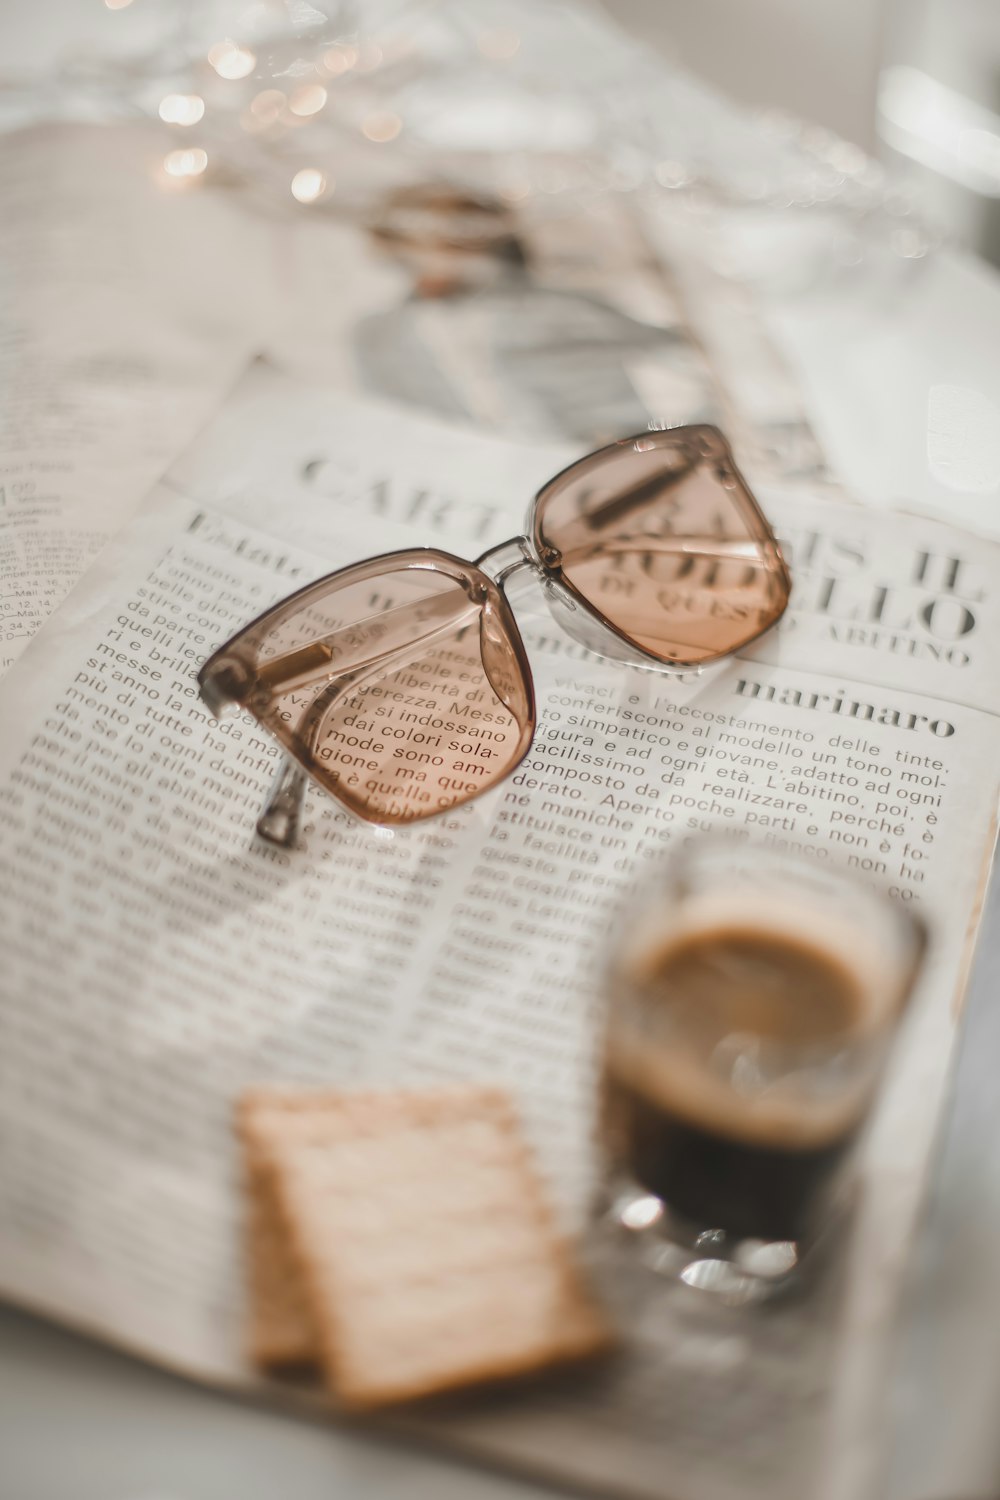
(753, 1001)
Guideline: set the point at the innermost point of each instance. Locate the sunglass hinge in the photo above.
(224, 689)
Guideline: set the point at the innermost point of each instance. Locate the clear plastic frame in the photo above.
(400, 685)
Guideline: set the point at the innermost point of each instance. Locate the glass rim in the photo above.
(726, 840)
(646, 889)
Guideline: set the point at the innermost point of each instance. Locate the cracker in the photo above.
(429, 1255)
(281, 1324)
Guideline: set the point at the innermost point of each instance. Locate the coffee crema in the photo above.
(722, 1092)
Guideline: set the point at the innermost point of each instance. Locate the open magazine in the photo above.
(158, 959)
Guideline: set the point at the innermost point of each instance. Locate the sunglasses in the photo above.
(401, 686)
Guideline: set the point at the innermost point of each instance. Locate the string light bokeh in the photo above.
(328, 105)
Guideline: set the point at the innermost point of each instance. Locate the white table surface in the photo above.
(81, 1422)
(893, 373)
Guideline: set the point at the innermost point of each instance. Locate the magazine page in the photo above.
(159, 959)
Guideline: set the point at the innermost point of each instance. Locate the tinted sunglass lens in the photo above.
(661, 537)
(402, 696)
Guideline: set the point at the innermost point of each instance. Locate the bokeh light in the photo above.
(308, 185)
(381, 126)
(308, 99)
(182, 109)
(185, 163)
(230, 60)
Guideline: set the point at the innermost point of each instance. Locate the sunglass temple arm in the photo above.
(281, 817)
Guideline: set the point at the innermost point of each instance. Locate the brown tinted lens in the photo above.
(400, 693)
(662, 538)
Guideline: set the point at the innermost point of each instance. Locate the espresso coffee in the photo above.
(725, 1091)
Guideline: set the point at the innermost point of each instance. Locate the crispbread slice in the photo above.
(428, 1254)
(281, 1324)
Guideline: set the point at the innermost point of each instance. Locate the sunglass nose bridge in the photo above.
(506, 558)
